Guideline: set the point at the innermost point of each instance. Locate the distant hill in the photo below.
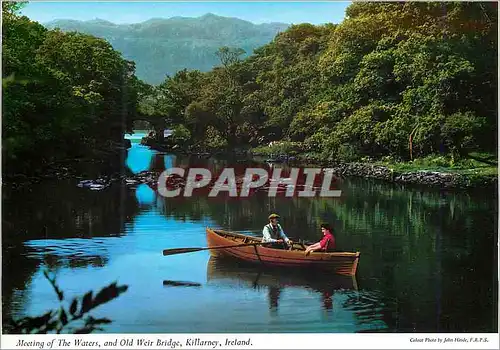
(164, 46)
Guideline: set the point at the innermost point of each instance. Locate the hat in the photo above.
(273, 216)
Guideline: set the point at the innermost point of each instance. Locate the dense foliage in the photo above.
(393, 80)
(64, 94)
(403, 80)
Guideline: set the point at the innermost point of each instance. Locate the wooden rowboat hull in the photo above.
(341, 263)
(223, 271)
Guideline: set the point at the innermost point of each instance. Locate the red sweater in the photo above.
(327, 242)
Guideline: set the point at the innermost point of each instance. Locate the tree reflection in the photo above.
(274, 295)
(53, 211)
(397, 229)
(62, 210)
(417, 246)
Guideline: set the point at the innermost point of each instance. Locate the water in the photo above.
(428, 258)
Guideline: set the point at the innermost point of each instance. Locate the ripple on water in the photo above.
(79, 247)
(71, 252)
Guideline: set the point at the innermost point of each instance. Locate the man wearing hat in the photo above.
(273, 232)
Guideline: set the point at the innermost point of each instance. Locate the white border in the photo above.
(257, 341)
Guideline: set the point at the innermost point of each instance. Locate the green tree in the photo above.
(67, 94)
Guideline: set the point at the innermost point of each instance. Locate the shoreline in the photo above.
(428, 178)
(461, 179)
(432, 178)
(101, 162)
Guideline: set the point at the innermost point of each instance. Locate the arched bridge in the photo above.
(157, 123)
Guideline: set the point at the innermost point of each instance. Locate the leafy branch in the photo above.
(73, 320)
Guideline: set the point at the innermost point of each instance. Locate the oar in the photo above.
(181, 283)
(190, 250)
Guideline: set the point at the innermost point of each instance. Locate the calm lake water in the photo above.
(428, 257)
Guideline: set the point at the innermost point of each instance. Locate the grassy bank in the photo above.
(475, 169)
(473, 164)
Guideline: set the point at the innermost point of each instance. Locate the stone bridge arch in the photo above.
(156, 123)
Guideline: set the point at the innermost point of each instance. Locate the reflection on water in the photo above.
(313, 294)
(139, 158)
(225, 270)
(144, 194)
(72, 252)
(428, 258)
(181, 284)
(169, 160)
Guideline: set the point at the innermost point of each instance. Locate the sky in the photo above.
(138, 11)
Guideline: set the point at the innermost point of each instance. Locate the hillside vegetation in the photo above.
(393, 81)
(65, 95)
(162, 47)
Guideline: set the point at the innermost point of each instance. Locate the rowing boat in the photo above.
(252, 251)
(221, 271)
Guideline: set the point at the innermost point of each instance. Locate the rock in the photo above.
(85, 183)
(432, 178)
(429, 178)
(97, 187)
(94, 185)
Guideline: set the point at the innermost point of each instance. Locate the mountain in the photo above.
(161, 46)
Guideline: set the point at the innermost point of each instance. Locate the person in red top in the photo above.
(326, 244)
